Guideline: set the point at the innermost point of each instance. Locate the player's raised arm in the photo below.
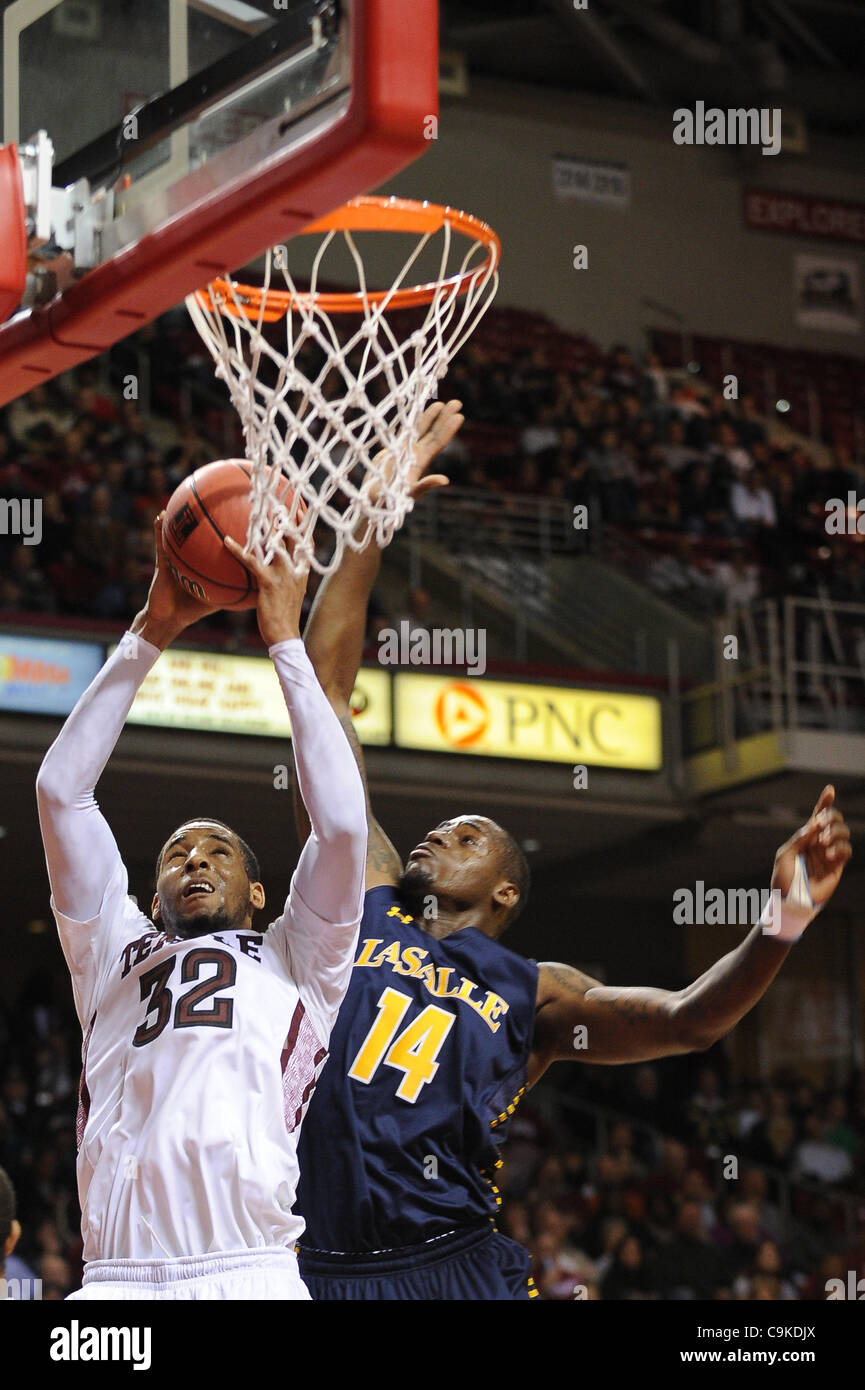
(318, 929)
(80, 850)
(334, 635)
(329, 875)
(580, 1019)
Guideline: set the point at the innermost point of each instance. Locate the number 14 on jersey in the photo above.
(413, 1051)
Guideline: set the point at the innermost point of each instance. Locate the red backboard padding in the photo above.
(396, 47)
(13, 235)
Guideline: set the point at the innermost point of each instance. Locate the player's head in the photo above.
(10, 1230)
(468, 865)
(207, 880)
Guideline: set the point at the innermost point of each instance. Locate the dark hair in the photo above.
(7, 1211)
(250, 863)
(516, 867)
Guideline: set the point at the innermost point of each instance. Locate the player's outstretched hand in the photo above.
(438, 425)
(824, 843)
(281, 587)
(169, 609)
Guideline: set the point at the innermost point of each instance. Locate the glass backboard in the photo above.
(190, 135)
(142, 95)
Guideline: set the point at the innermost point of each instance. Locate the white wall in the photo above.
(683, 241)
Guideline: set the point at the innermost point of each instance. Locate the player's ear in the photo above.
(256, 896)
(506, 895)
(154, 908)
(12, 1239)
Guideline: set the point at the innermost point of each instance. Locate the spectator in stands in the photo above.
(703, 501)
(38, 407)
(99, 539)
(135, 443)
(34, 592)
(751, 1111)
(654, 387)
(764, 1278)
(155, 496)
(749, 425)
(623, 374)
(114, 479)
(726, 452)
(658, 494)
(752, 506)
(190, 452)
(754, 1188)
(736, 579)
(685, 402)
(544, 433)
(818, 1158)
(55, 530)
(838, 1128)
(739, 1235)
(10, 1227)
(707, 1114)
(628, 1277)
(680, 575)
(676, 453)
(526, 481)
(773, 1139)
(697, 1188)
(617, 478)
(689, 1266)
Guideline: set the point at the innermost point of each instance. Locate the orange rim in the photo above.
(369, 214)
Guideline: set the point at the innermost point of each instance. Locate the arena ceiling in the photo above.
(808, 55)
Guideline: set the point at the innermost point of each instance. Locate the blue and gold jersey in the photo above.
(427, 1060)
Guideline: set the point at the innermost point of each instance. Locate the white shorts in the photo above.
(267, 1274)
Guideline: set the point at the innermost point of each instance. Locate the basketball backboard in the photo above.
(189, 135)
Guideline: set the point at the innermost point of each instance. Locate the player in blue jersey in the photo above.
(443, 1028)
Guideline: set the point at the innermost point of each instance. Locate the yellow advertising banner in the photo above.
(544, 723)
(210, 691)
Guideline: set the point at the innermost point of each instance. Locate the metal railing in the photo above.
(799, 662)
(474, 522)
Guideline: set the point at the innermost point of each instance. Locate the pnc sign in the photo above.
(462, 715)
(501, 719)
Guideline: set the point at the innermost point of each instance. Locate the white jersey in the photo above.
(199, 1060)
(200, 1055)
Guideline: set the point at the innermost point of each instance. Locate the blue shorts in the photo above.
(468, 1265)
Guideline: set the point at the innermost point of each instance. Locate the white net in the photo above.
(336, 410)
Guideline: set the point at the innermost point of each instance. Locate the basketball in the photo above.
(213, 502)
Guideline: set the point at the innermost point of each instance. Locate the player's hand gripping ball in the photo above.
(212, 503)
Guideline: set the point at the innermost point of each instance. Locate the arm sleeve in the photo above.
(87, 876)
(323, 911)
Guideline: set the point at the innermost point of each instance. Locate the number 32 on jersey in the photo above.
(413, 1051)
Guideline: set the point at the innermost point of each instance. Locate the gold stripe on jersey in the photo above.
(509, 1109)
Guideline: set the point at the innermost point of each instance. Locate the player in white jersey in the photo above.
(203, 1037)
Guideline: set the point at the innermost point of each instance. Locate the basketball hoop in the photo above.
(348, 453)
